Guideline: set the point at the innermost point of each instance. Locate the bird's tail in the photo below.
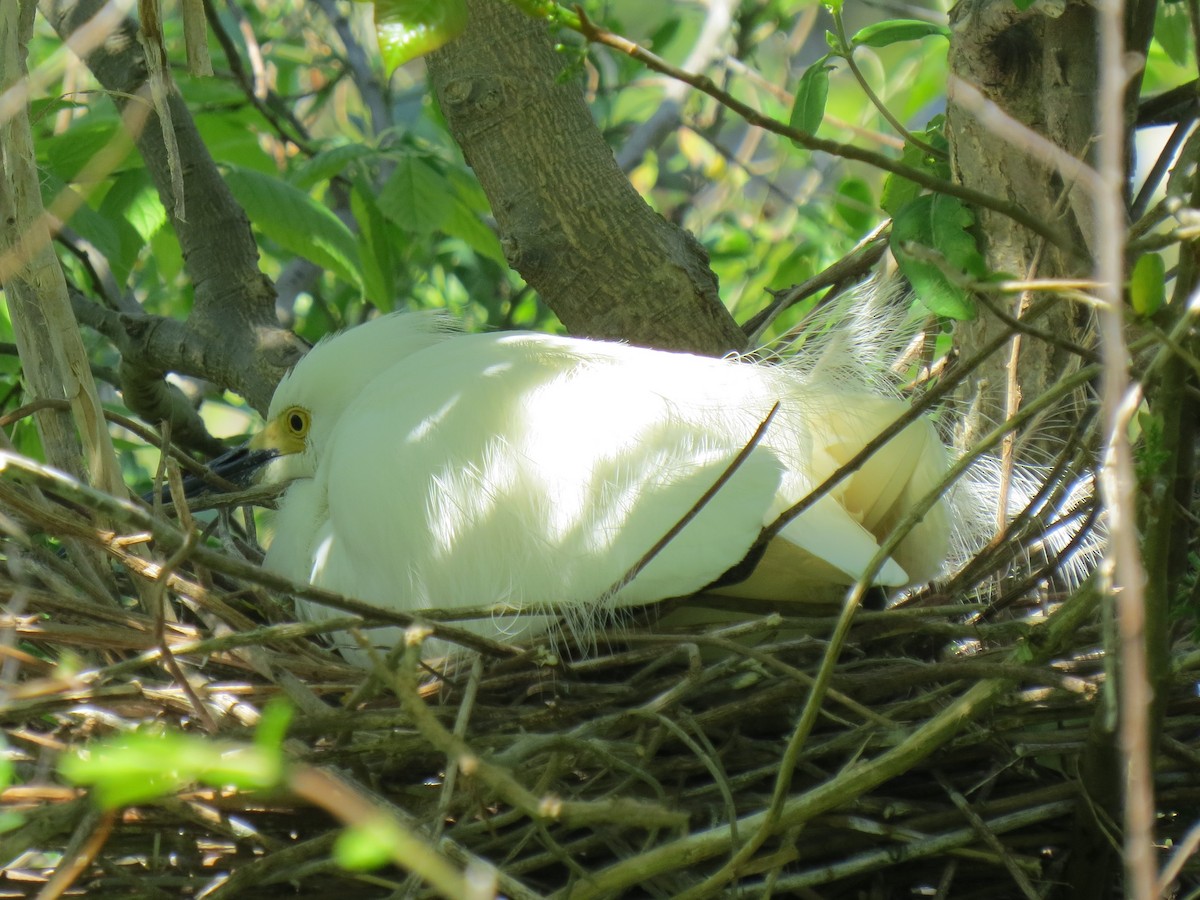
(1014, 521)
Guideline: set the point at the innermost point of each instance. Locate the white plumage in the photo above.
(431, 469)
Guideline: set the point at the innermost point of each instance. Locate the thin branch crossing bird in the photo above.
(432, 469)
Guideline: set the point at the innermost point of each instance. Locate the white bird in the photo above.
(432, 469)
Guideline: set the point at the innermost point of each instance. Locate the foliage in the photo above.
(361, 201)
(148, 765)
(387, 208)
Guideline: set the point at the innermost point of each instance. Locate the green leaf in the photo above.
(899, 191)
(45, 107)
(1171, 31)
(1148, 285)
(66, 153)
(464, 219)
(410, 28)
(912, 227)
(935, 136)
(235, 141)
(951, 220)
(7, 771)
(375, 246)
(97, 229)
(808, 107)
(146, 765)
(8, 820)
(415, 196)
(296, 221)
(368, 845)
(134, 198)
(273, 726)
(893, 31)
(539, 9)
(134, 208)
(328, 163)
(855, 204)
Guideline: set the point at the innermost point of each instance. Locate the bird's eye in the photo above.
(297, 421)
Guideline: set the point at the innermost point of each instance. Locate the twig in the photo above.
(1119, 403)
(876, 860)
(504, 783)
(987, 833)
(100, 825)
(697, 507)
(408, 849)
(598, 34)
(20, 468)
(848, 56)
(852, 781)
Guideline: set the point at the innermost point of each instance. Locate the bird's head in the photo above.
(310, 400)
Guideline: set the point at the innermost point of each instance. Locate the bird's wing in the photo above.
(540, 471)
(877, 495)
(524, 470)
(828, 533)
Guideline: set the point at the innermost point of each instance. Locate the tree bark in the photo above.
(232, 335)
(570, 222)
(1042, 72)
(1040, 66)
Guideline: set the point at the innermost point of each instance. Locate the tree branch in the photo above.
(232, 336)
(569, 220)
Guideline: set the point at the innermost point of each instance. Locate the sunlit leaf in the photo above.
(8, 820)
(134, 198)
(365, 846)
(407, 29)
(146, 765)
(273, 726)
(1147, 285)
(893, 31)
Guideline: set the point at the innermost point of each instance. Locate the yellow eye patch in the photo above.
(286, 433)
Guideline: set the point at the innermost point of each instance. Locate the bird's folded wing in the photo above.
(526, 472)
(829, 533)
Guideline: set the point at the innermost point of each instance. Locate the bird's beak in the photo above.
(234, 470)
(241, 465)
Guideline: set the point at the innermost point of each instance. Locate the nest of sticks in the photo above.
(938, 748)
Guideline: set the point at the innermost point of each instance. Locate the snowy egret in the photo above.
(433, 469)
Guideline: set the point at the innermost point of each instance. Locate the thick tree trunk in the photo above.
(1042, 72)
(1041, 68)
(569, 220)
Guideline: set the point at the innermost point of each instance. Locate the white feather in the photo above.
(451, 471)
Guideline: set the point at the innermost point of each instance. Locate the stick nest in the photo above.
(953, 754)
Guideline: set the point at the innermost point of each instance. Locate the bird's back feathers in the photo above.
(538, 471)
